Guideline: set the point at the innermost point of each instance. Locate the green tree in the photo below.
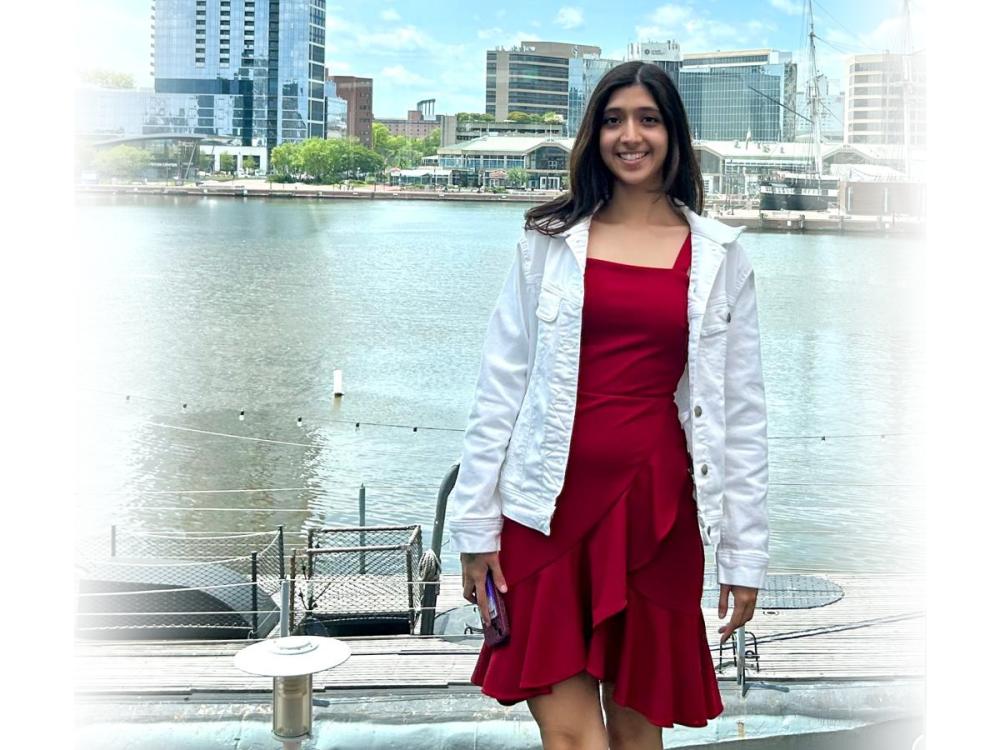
(250, 163)
(474, 117)
(380, 138)
(286, 160)
(227, 163)
(552, 117)
(516, 116)
(319, 159)
(124, 162)
(108, 79)
(517, 176)
(429, 145)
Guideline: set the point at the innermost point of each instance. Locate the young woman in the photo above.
(618, 426)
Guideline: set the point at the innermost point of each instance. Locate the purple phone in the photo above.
(497, 630)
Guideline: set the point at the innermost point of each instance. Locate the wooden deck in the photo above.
(875, 631)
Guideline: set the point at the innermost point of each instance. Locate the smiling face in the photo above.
(634, 138)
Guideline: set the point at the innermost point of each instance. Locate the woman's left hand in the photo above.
(744, 601)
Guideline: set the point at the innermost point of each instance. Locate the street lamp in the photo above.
(292, 661)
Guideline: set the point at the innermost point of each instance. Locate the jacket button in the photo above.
(704, 469)
(697, 411)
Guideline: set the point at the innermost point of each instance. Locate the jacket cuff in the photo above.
(476, 536)
(740, 571)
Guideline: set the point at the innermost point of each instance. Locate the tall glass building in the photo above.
(584, 74)
(729, 94)
(249, 71)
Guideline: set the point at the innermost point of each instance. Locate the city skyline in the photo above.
(418, 51)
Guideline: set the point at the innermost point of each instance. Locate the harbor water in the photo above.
(210, 330)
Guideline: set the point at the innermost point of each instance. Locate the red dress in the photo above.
(616, 588)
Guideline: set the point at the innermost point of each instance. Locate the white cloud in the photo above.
(338, 67)
(791, 7)
(493, 33)
(670, 15)
(569, 17)
(399, 74)
(390, 15)
(699, 32)
(407, 63)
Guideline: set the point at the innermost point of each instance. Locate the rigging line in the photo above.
(838, 48)
(849, 31)
(780, 104)
(830, 112)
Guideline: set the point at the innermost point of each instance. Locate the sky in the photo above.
(437, 48)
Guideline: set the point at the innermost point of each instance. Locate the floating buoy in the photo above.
(184, 407)
(242, 414)
(299, 421)
(338, 383)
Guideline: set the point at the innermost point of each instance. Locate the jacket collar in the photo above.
(715, 231)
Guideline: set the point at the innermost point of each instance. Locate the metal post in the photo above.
(286, 601)
(361, 515)
(253, 591)
(281, 551)
(428, 602)
(741, 659)
(410, 583)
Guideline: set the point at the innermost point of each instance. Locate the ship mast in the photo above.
(814, 95)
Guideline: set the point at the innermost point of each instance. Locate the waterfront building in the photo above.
(728, 94)
(357, 92)
(736, 167)
(886, 100)
(532, 78)
(485, 161)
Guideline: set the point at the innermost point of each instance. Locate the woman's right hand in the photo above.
(474, 568)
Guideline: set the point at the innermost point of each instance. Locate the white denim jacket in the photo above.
(516, 444)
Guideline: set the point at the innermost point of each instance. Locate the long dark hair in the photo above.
(590, 181)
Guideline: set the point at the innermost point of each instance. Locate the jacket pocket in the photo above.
(548, 305)
(716, 320)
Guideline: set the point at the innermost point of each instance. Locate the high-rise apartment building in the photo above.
(729, 94)
(358, 94)
(247, 70)
(532, 78)
(886, 100)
